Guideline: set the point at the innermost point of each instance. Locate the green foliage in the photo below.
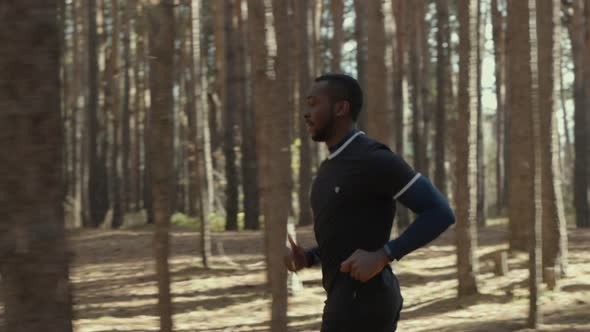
(216, 221)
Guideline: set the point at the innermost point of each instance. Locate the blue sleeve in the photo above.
(313, 256)
(434, 216)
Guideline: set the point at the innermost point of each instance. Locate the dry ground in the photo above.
(115, 290)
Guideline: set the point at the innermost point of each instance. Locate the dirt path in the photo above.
(115, 289)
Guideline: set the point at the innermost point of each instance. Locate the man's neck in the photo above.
(335, 139)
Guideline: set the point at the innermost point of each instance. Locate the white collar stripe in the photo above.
(337, 152)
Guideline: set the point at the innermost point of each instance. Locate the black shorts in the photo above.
(373, 306)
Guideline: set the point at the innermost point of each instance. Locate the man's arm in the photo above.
(434, 217)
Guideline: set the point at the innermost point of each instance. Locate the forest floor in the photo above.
(114, 285)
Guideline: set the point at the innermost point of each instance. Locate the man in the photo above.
(352, 199)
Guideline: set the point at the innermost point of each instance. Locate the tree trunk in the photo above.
(126, 116)
(34, 253)
(278, 205)
(248, 146)
(521, 207)
(466, 190)
(481, 164)
(97, 193)
(161, 44)
(400, 92)
(337, 9)
(535, 239)
(499, 37)
(379, 117)
(115, 107)
(303, 80)
(424, 28)
(443, 71)
(360, 35)
(580, 117)
(415, 12)
(554, 223)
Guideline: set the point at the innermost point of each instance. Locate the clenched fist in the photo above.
(295, 258)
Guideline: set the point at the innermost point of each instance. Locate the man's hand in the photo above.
(295, 258)
(364, 265)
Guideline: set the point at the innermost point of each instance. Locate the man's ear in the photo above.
(342, 108)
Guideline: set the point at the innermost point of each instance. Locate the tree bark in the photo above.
(580, 116)
(535, 239)
(481, 164)
(115, 107)
(521, 206)
(379, 117)
(303, 80)
(360, 36)
(554, 223)
(443, 71)
(34, 254)
(400, 93)
(466, 190)
(499, 37)
(161, 45)
(337, 9)
(97, 191)
(279, 203)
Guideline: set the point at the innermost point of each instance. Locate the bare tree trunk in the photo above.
(379, 117)
(248, 145)
(554, 223)
(360, 35)
(481, 164)
(535, 239)
(97, 193)
(337, 9)
(115, 106)
(161, 45)
(443, 71)
(400, 92)
(34, 253)
(424, 77)
(303, 80)
(579, 53)
(521, 207)
(279, 203)
(466, 190)
(498, 33)
(126, 116)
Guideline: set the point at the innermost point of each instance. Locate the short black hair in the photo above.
(344, 87)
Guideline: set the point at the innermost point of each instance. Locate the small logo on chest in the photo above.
(337, 189)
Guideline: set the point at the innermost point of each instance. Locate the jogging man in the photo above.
(352, 200)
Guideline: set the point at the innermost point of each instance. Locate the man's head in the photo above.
(333, 104)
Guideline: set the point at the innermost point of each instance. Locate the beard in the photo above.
(322, 134)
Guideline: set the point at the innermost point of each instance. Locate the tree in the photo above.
(115, 106)
(580, 114)
(466, 148)
(520, 208)
(97, 190)
(554, 223)
(499, 37)
(337, 10)
(229, 104)
(303, 80)
(161, 45)
(34, 254)
(400, 93)
(279, 203)
(417, 82)
(481, 165)
(443, 72)
(360, 36)
(379, 117)
(535, 239)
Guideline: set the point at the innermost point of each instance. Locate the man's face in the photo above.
(319, 113)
